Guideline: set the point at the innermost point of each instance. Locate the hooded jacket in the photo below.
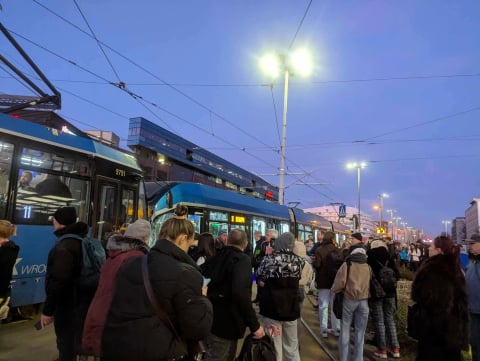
(357, 286)
(377, 258)
(133, 331)
(120, 249)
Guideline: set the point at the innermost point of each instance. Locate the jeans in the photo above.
(220, 349)
(358, 310)
(284, 337)
(475, 335)
(383, 316)
(325, 299)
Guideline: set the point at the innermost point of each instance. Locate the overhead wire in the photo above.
(98, 42)
(137, 96)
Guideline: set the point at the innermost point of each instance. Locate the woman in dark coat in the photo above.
(440, 292)
(133, 331)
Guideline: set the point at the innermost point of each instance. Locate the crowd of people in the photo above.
(161, 303)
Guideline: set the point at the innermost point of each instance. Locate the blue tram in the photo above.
(213, 209)
(43, 169)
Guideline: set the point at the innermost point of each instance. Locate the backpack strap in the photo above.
(69, 235)
(162, 315)
(349, 263)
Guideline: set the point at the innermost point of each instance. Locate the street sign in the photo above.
(380, 230)
(342, 211)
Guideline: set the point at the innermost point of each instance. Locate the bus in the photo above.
(43, 169)
(213, 209)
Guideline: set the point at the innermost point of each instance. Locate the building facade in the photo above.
(472, 218)
(332, 213)
(459, 229)
(165, 156)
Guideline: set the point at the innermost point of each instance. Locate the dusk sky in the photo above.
(396, 84)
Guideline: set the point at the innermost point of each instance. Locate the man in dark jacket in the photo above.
(230, 291)
(324, 283)
(65, 306)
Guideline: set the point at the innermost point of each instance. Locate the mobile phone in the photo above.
(206, 281)
(38, 325)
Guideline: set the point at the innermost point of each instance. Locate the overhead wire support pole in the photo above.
(281, 183)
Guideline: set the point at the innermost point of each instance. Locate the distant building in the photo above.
(165, 156)
(472, 218)
(331, 213)
(458, 229)
(104, 136)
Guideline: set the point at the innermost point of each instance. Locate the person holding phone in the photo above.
(230, 292)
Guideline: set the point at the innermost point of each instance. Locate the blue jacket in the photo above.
(472, 278)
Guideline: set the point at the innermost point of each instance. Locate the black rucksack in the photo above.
(387, 278)
(333, 262)
(257, 349)
(93, 257)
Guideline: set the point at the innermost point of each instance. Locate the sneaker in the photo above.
(324, 334)
(396, 352)
(380, 353)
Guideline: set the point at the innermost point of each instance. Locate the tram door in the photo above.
(114, 206)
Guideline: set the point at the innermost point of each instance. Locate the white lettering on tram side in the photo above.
(15, 272)
(34, 268)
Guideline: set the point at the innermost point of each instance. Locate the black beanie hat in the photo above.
(66, 216)
(358, 236)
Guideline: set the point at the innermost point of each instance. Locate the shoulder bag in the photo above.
(196, 349)
(338, 299)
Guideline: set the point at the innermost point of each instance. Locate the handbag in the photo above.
(196, 349)
(413, 320)
(339, 296)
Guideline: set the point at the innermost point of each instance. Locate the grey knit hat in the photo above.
(285, 240)
(140, 229)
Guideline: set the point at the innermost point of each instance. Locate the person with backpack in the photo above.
(65, 305)
(383, 309)
(353, 278)
(120, 249)
(328, 259)
(279, 303)
(230, 291)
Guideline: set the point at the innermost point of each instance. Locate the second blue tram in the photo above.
(213, 209)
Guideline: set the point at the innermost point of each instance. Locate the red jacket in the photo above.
(100, 306)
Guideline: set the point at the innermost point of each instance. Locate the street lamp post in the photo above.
(381, 196)
(391, 211)
(446, 223)
(300, 61)
(358, 166)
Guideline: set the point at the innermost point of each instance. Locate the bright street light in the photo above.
(298, 62)
(353, 165)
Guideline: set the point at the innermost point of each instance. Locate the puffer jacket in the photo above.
(133, 331)
(280, 272)
(120, 249)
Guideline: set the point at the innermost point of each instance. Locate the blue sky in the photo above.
(420, 136)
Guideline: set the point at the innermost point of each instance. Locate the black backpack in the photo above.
(257, 349)
(333, 262)
(93, 257)
(387, 278)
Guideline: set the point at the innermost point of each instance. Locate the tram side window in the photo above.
(6, 155)
(127, 209)
(39, 195)
(157, 226)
